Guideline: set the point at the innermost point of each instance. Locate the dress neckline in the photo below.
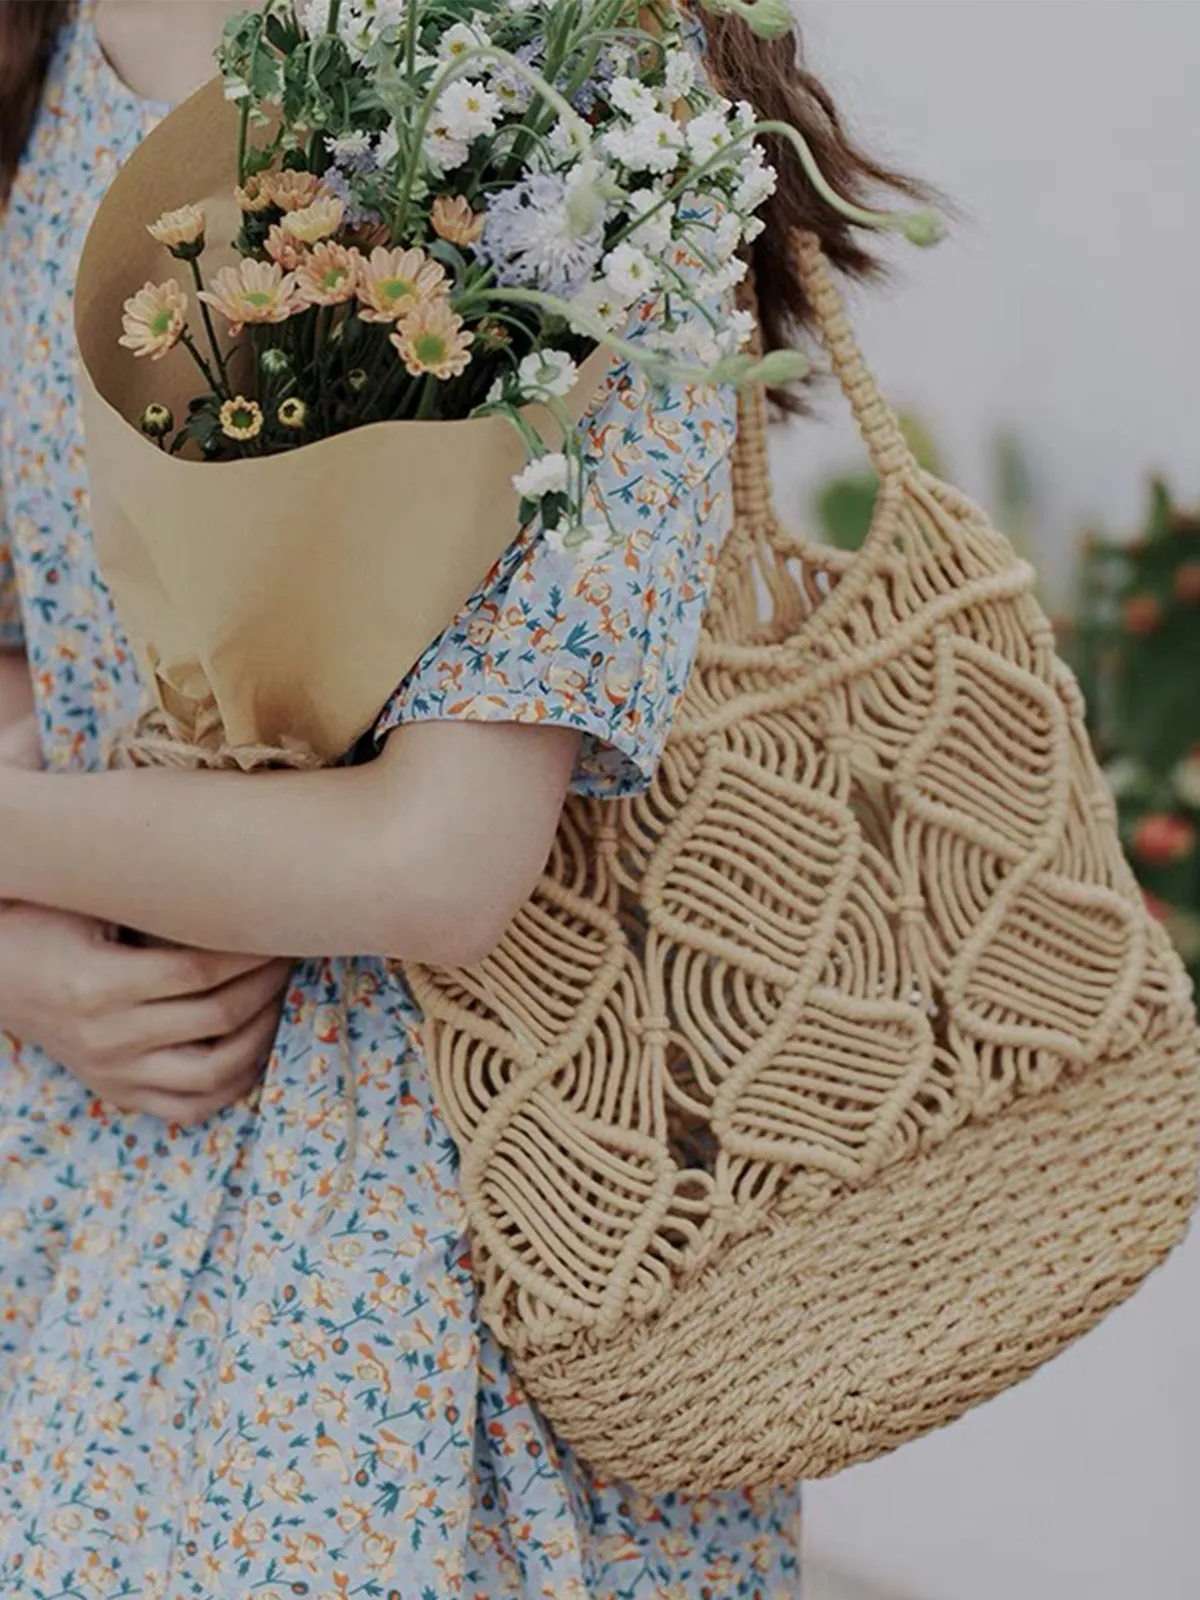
(91, 38)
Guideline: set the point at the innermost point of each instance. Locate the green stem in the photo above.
(896, 221)
(210, 377)
(213, 345)
(429, 392)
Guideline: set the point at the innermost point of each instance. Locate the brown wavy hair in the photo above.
(769, 74)
(28, 33)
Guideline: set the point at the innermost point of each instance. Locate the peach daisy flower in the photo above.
(292, 191)
(315, 222)
(329, 276)
(283, 249)
(454, 221)
(181, 230)
(253, 291)
(155, 319)
(430, 339)
(393, 282)
(254, 195)
(241, 418)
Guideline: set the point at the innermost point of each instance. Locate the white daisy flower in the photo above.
(655, 233)
(629, 272)
(458, 39)
(444, 153)
(596, 303)
(546, 474)
(547, 372)
(466, 110)
(651, 144)
(739, 329)
(631, 97)
(566, 140)
(756, 183)
(707, 134)
(679, 74)
(727, 235)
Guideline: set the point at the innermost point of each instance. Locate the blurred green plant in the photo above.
(1134, 642)
(844, 504)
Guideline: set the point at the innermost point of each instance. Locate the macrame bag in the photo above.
(841, 1080)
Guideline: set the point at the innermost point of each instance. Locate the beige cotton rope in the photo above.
(843, 1078)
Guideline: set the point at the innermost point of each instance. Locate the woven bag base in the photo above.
(832, 1339)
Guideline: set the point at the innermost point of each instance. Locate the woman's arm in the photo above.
(425, 854)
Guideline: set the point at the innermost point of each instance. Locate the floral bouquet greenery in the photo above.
(388, 256)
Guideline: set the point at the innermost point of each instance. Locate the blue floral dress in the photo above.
(217, 1379)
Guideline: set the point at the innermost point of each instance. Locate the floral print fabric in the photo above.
(222, 1374)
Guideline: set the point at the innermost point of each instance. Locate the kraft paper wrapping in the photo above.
(295, 591)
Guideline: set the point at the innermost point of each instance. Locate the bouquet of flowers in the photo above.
(388, 255)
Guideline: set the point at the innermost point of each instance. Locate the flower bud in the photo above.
(275, 362)
(156, 421)
(924, 228)
(292, 412)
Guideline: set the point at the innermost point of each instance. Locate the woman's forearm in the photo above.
(16, 688)
(423, 855)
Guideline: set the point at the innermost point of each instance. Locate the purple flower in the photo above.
(528, 240)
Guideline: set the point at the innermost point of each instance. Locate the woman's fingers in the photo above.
(202, 1020)
(190, 1084)
(138, 975)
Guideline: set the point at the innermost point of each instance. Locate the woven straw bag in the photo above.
(843, 1079)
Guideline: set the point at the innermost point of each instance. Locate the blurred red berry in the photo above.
(1187, 582)
(1161, 838)
(1142, 613)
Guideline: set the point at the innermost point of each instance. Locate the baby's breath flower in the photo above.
(156, 421)
(292, 412)
(241, 419)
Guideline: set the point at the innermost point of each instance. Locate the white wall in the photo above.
(1067, 303)
(1067, 306)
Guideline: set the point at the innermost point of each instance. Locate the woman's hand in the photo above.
(21, 746)
(175, 1033)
